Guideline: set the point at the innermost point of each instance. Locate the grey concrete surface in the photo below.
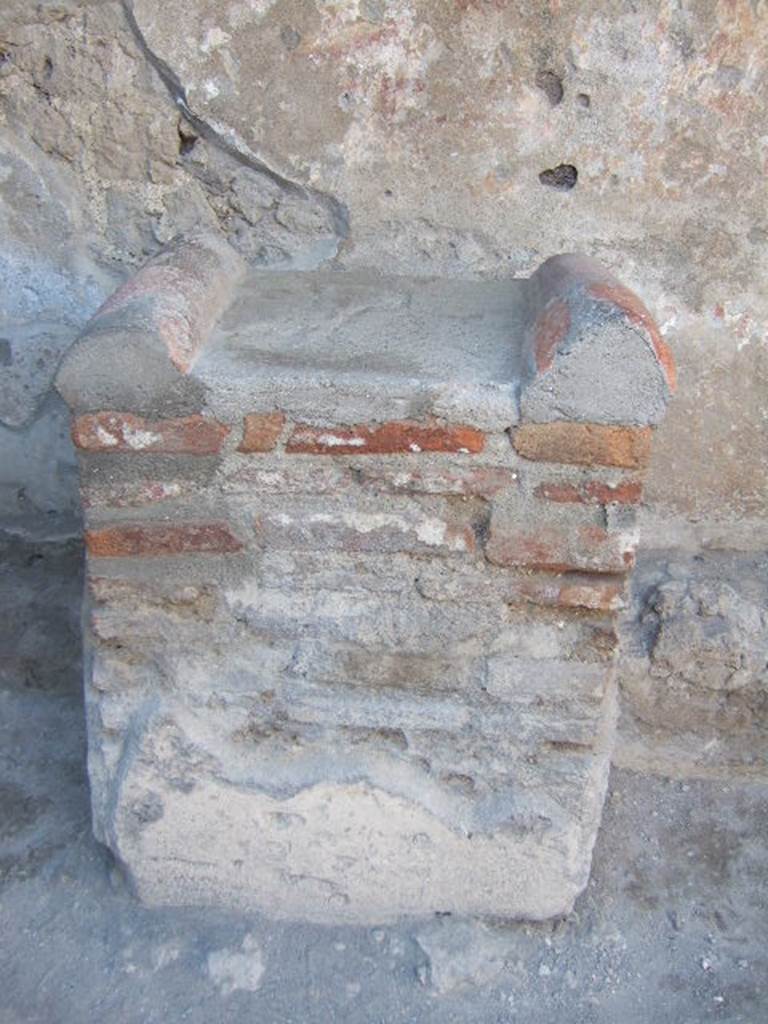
(365, 323)
(39, 495)
(673, 928)
(339, 344)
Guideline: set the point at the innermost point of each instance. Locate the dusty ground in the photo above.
(673, 928)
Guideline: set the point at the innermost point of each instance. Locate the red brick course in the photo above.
(154, 539)
(364, 532)
(125, 432)
(132, 494)
(394, 438)
(585, 444)
(629, 492)
(261, 431)
(581, 549)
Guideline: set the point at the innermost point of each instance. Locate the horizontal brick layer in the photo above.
(133, 494)
(261, 431)
(392, 438)
(477, 481)
(576, 590)
(362, 531)
(584, 444)
(582, 548)
(150, 539)
(628, 492)
(541, 684)
(195, 602)
(326, 476)
(383, 669)
(124, 432)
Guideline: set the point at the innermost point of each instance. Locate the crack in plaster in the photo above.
(337, 211)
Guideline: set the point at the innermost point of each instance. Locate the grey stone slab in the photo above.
(315, 342)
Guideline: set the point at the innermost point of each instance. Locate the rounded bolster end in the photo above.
(144, 339)
(594, 352)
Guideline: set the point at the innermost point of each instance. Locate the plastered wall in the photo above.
(457, 137)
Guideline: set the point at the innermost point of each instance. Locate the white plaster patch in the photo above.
(139, 439)
(332, 441)
(237, 970)
(364, 522)
(214, 38)
(431, 531)
(107, 439)
(164, 954)
(249, 11)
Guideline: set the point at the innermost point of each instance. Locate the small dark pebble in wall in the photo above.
(290, 37)
(187, 140)
(563, 177)
(583, 100)
(551, 85)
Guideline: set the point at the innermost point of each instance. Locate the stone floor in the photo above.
(673, 927)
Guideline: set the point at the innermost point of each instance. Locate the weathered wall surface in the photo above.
(463, 137)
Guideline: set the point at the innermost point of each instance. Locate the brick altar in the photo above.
(356, 547)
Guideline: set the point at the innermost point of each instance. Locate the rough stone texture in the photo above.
(694, 674)
(673, 926)
(344, 662)
(40, 629)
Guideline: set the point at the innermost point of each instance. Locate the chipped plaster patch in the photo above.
(138, 439)
(333, 441)
(248, 12)
(432, 532)
(214, 38)
(237, 970)
(105, 437)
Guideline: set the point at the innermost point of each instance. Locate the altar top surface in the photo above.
(297, 325)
